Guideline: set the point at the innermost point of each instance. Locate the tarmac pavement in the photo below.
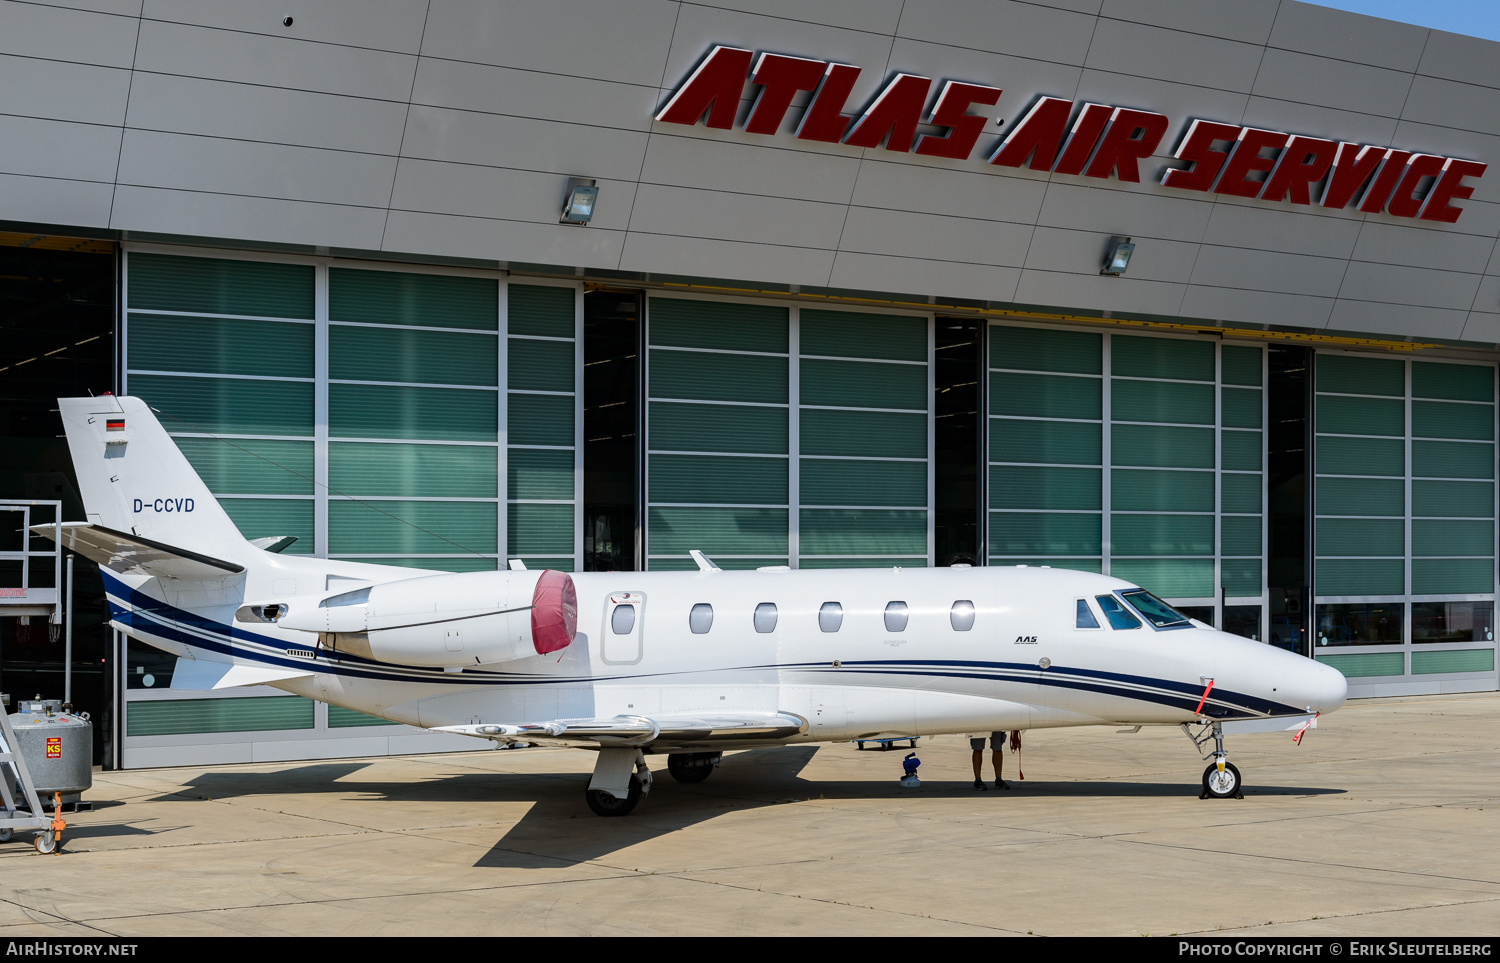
(1382, 823)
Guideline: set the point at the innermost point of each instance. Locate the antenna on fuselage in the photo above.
(704, 564)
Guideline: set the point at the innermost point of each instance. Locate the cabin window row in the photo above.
(830, 617)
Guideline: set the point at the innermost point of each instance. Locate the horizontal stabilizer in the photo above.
(123, 553)
(641, 730)
(191, 674)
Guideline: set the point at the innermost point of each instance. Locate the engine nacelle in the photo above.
(440, 621)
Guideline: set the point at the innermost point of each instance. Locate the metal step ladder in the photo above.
(13, 819)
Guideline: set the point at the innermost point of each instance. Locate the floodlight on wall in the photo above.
(1118, 258)
(578, 205)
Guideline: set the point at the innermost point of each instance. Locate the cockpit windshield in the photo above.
(1157, 612)
(1117, 615)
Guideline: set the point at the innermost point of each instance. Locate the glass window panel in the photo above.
(1240, 450)
(544, 311)
(460, 563)
(869, 433)
(1241, 407)
(415, 470)
(1156, 491)
(700, 618)
(539, 473)
(1240, 577)
(961, 615)
(1162, 534)
(765, 618)
(539, 529)
(622, 619)
(1240, 534)
(706, 376)
(1363, 623)
(1360, 496)
(404, 297)
(1161, 446)
(412, 527)
(1361, 416)
(341, 718)
(1155, 611)
(684, 323)
(1453, 660)
(1162, 357)
(1453, 621)
(1359, 576)
(1240, 493)
(1459, 382)
(1165, 401)
(1168, 577)
(176, 717)
(1367, 664)
(846, 561)
(1240, 365)
(400, 354)
(833, 531)
(1446, 419)
(683, 427)
(228, 406)
(893, 483)
(1242, 620)
(1452, 459)
(1116, 614)
(862, 384)
(251, 466)
(540, 419)
(716, 478)
(1361, 456)
(1018, 533)
(896, 616)
(1037, 486)
(221, 286)
(1046, 396)
(855, 334)
(539, 365)
(1039, 349)
(260, 517)
(1453, 498)
(717, 531)
(1452, 576)
(1441, 536)
(1364, 376)
(1057, 442)
(1361, 536)
(830, 616)
(1094, 565)
(1084, 618)
(221, 346)
(437, 414)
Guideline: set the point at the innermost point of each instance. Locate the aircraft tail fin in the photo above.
(136, 484)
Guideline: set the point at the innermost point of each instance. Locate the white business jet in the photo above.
(684, 663)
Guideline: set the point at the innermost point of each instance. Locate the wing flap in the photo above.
(625, 731)
(124, 553)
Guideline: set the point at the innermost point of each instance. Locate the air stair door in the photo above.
(624, 614)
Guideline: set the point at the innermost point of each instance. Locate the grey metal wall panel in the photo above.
(50, 148)
(53, 200)
(1331, 233)
(724, 165)
(990, 195)
(1397, 319)
(497, 192)
(879, 16)
(1232, 267)
(1420, 245)
(1248, 21)
(1185, 58)
(1238, 305)
(1100, 293)
(72, 36)
(1057, 249)
(1396, 284)
(766, 263)
(1002, 26)
(1303, 78)
(875, 272)
(530, 93)
(1299, 118)
(936, 236)
(446, 235)
(1456, 57)
(523, 143)
(252, 218)
(1343, 36)
(736, 217)
(378, 24)
(1101, 208)
(63, 91)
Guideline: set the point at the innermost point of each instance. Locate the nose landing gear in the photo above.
(1221, 780)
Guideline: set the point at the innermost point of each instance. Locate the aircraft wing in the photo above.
(199, 674)
(123, 553)
(626, 731)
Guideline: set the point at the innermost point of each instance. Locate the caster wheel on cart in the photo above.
(6, 835)
(1222, 785)
(604, 804)
(46, 843)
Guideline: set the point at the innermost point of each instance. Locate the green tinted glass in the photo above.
(411, 527)
(540, 365)
(1458, 382)
(540, 473)
(428, 300)
(1162, 534)
(827, 531)
(848, 482)
(737, 428)
(1446, 419)
(1360, 536)
(264, 517)
(414, 470)
(1055, 442)
(400, 354)
(1359, 576)
(1452, 459)
(540, 419)
(277, 349)
(1168, 578)
(717, 478)
(1162, 358)
(437, 414)
(863, 384)
(1240, 365)
(247, 466)
(1361, 376)
(1452, 576)
(1044, 534)
(856, 334)
(539, 529)
(228, 406)
(1360, 416)
(1046, 396)
(1036, 486)
(220, 286)
(1038, 349)
(683, 323)
(726, 531)
(1162, 446)
(1155, 491)
(1240, 450)
(1360, 456)
(868, 433)
(546, 312)
(1163, 401)
(708, 376)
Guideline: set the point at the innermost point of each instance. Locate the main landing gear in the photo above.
(691, 767)
(621, 777)
(1221, 780)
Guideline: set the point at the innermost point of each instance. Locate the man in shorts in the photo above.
(997, 758)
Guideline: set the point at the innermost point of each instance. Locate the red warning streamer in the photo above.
(1206, 691)
(1297, 739)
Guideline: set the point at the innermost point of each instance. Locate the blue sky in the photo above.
(1477, 18)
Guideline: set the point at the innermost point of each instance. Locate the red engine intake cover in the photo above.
(554, 612)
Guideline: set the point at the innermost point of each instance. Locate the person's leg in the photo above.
(997, 757)
(977, 745)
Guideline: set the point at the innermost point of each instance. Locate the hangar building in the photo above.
(1199, 294)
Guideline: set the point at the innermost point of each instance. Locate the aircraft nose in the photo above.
(1327, 689)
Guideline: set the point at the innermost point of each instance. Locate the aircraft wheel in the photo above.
(604, 804)
(690, 767)
(46, 843)
(1225, 785)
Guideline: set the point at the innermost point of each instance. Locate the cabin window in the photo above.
(895, 617)
(1085, 619)
(701, 618)
(1157, 612)
(765, 617)
(1115, 613)
(961, 616)
(830, 616)
(623, 619)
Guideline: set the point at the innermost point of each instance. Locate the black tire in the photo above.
(691, 767)
(604, 804)
(1227, 786)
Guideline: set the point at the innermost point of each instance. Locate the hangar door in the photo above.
(1404, 522)
(784, 435)
(1136, 456)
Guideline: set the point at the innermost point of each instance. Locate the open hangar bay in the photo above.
(1106, 836)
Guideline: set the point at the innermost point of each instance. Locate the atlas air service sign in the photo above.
(1079, 139)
